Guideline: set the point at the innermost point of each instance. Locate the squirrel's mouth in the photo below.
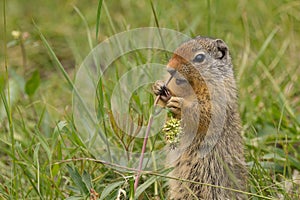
(180, 81)
(178, 78)
(171, 71)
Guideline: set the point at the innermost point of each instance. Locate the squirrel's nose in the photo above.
(171, 70)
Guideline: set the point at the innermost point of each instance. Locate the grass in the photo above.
(42, 154)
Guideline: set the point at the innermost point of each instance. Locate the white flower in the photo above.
(16, 34)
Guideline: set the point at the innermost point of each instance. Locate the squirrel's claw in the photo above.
(175, 105)
(160, 88)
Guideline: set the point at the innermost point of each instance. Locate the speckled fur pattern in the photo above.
(224, 164)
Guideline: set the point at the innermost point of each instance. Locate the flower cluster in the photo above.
(172, 130)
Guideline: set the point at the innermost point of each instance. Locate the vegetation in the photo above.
(43, 43)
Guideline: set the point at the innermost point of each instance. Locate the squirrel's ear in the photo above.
(222, 49)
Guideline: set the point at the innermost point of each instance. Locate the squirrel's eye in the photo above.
(199, 58)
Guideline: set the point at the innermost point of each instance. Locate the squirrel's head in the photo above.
(203, 75)
(205, 56)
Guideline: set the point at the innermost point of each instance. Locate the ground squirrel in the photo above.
(211, 147)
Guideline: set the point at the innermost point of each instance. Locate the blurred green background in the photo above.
(264, 39)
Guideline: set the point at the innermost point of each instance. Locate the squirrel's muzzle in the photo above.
(171, 70)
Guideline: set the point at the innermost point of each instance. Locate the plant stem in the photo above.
(7, 104)
(136, 183)
(144, 147)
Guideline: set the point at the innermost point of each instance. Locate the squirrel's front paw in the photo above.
(175, 105)
(159, 88)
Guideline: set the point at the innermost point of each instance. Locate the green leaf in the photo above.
(77, 179)
(109, 189)
(33, 83)
(145, 185)
(131, 185)
(55, 169)
(288, 158)
(59, 127)
(86, 178)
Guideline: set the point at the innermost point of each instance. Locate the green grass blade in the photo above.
(87, 179)
(78, 180)
(265, 46)
(157, 25)
(88, 32)
(44, 144)
(145, 185)
(278, 90)
(98, 18)
(54, 57)
(66, 76)
(109, 189)
(7, 104)
(37, 163)
(26, 165)
(109, 18)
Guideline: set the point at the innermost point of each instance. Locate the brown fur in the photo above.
(195, 103)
